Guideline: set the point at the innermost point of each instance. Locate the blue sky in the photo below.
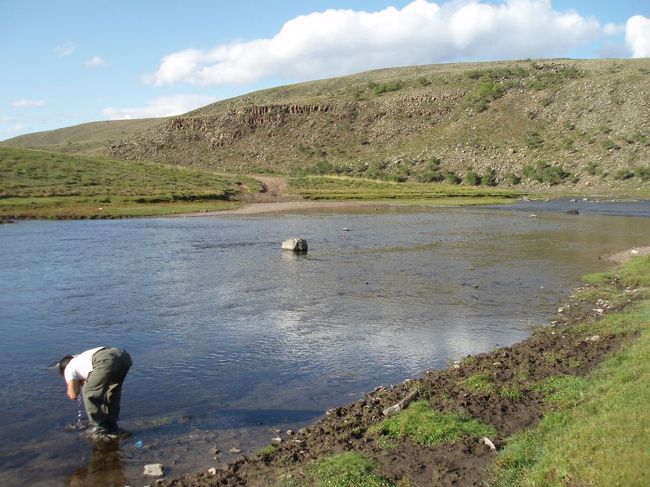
(73, 61)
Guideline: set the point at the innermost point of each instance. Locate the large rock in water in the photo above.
(295, 245)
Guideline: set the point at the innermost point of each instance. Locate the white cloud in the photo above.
(336, 42)
(96, 62)
(613, 29)
(64, 50)
(25, 103)
(164, 106)
(637, 35)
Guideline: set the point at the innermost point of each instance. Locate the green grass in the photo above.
(345, 470)
(428, 427)
(599, 430)
(480, 382)
(267, 452)
(343, 188)
(483, 383)
(35, 184)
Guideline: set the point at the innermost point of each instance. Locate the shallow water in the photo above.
(231, 337)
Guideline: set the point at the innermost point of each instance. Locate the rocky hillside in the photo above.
(550, 122)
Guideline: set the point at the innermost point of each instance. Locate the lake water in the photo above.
(231, 337)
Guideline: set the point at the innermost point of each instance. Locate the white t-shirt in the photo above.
(80, 366)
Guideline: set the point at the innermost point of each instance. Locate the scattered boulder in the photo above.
(573, 211)
(154, 470)
(295, 245)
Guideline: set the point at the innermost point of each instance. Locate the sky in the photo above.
(70, 61)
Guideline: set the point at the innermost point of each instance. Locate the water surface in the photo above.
(231, 337)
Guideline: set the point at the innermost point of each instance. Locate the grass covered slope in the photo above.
(35, 184)
(345, 188)
(598, 432)
(88, 138)
(574, 123)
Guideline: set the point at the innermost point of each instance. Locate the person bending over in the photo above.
(101, 372)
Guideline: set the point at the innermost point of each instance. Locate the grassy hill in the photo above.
(579, 124)
(37, 184)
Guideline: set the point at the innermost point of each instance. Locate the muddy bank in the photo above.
(499, 388)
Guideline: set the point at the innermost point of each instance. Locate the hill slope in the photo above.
(584, 122)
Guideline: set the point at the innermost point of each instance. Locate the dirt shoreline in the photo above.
(623, 256)
(510, 405)
(301, 205)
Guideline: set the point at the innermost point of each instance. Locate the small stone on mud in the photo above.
(488, 442)
(234, 451)
(216, 451)
(212, 471)
(594, 338)
(276, 441)
(600, 311)
(154, 470)
(289, 432)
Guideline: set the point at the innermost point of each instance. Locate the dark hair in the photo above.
(63, 363)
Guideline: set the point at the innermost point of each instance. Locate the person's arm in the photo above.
(73, 389)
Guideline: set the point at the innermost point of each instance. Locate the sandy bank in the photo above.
(625, 255)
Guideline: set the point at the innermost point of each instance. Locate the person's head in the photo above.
(63, 363)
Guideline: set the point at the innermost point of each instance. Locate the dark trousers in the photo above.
(103, 389)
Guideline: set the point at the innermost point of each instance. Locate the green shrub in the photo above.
(609, 144)
(511, 178)
(489, 178)
(472, 178)
(593, 169)
(545, 173)
(452, 178)
(385, 87)
(623, 174)
(431, 176)
(642, 172)
(534, 140)
(485, 92)
(546, 101)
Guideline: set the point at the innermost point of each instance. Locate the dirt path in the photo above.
(274, 198)
(274, 190)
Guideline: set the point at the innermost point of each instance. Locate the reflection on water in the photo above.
(231, 336)
(103, 468)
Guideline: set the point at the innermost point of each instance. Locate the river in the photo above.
(232, 338)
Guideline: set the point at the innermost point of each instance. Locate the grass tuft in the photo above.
(428, 427)
(346, 470)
